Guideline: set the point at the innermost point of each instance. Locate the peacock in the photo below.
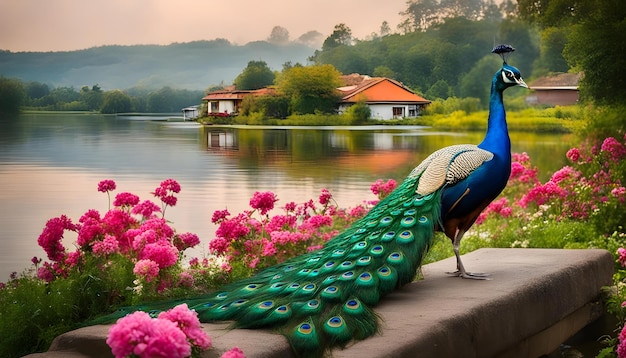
(325, 299)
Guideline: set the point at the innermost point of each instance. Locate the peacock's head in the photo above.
(507, 76)
(510, 76)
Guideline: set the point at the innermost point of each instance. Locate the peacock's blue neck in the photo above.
(497, 138)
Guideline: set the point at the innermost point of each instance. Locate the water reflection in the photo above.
(50, 165)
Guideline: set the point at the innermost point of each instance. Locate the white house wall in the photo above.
(227, 106)
(381, 111)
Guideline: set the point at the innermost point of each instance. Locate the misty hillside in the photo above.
(193, 65)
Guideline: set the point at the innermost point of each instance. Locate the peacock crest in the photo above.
(504, 51)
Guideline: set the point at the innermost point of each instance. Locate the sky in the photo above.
(66, 25)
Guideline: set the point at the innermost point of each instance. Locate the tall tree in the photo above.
(116, 101)
(342, 35)
(310, 89)
(279, 36)
(12, 95)
(256, 75)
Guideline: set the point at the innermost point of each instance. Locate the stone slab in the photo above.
(535, 300)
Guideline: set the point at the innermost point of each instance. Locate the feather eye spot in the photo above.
(266, 304)
(347, 275)
(371, 223)
(309, 287)
(335, 321)
(410, 212)
(329, 264)
(388, 236)
(384, 271)
(386, 221)
(352, 303)
(222, 295)
(313, 304)
(305, 328)
(360, 231)
(405, 237)
(289, 268)
(282, 309)
(423, 220)
(277, 277)
(377, 250)
(407, 222)
(359, 245)
(364, 261)
(330, 279)
(331, 289)
(395, 258)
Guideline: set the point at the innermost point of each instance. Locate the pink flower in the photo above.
(73, 258)
(263, 202)
(146, 269)
(185, 279)
(233, 228)
(185, 241)
(146, 209)
(166, 191)
(235, 352)
(219, 245)
(188, 322)
(290, 207)
(106, 186)
(138, 334)
(160, 252)
(325, 197)
(91, 227)
(573, 155)
(381, 188)
(621, 252)
(126, 199)
(45, 273)
(219, 216)
(50, 238)
(615, 149)
(564, 173)
(106, 247)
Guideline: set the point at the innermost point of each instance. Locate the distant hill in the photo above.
(193, 65)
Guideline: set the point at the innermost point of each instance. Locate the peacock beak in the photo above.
(521, 83)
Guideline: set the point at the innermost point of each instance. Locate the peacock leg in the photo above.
(460, 269)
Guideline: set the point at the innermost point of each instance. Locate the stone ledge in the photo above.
(536, 299)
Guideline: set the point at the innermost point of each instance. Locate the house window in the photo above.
(398, 112)
(214, 107)
(412, 110)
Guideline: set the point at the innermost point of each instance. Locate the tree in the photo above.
(279, 36)
(310, 38)
(310, 89)
(553, 41)
(116, 101)
(93, 98)
(385, 29)
(12, 95)
(596, 39)
(341, 36)
(256, 75)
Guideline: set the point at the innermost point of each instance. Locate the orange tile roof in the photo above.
(381, 90)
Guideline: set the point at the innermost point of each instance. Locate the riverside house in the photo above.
(386, 98)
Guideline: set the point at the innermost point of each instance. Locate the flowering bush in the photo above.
(246, 243)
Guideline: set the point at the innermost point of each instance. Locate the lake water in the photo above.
(50, 164)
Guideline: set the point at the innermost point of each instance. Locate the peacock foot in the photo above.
(471, 275)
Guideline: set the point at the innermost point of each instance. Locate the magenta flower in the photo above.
(381, 188)
(105, 247)
(139, 335)
(161, 252)
(146, 269)
(565, 173)
(290, 207)
(45, 273)
(146, 209)
(106, 186)
(219, 245)
(91, 227)
(185, 279)
(615, 149)
(325, 197)
(219, 216)
(233, 228)
(188, 322)
(235, 352)
(185, 241)
(573, 155)
(50, 238)
(73, 258)
(125, 199)
(621, 253)
(263, 202)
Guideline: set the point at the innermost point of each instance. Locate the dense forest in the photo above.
(441, 49)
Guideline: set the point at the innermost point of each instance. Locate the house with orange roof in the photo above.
(386, 98)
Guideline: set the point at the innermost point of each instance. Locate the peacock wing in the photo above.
(448, 166)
